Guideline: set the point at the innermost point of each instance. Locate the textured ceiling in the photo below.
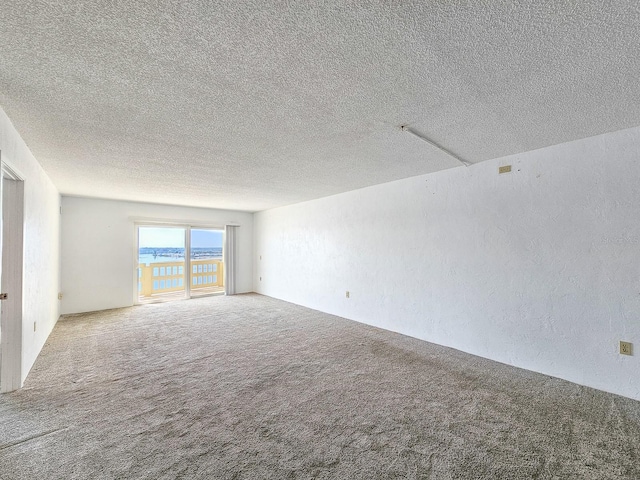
(255, 104)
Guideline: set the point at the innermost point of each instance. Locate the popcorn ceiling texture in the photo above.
(252, 105)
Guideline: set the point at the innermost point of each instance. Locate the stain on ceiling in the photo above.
(256, 104)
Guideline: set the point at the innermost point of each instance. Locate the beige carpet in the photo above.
(248, 387)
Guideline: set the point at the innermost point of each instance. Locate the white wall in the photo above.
(98, 248)
(538, 268)
(41, 276)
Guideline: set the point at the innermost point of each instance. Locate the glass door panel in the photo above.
(207, 268)
(161, 263)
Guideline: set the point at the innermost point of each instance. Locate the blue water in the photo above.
(149, 255)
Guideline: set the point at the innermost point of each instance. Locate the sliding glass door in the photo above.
(177, 262)
(207, 274)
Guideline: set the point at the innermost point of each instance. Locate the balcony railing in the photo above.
(167, 277)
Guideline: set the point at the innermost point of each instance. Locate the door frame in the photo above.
(11, 278)
(187, 261)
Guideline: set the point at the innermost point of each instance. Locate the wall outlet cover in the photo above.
(626, 348)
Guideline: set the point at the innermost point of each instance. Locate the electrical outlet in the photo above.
(34, 326)
(60, 296)
(347, 294)
(626, 348)
(504, 169)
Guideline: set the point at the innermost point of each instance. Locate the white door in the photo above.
(11, 238)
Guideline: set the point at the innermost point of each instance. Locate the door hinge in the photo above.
(3, 296)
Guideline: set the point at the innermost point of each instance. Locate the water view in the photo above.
(148, 255)
(162, 273)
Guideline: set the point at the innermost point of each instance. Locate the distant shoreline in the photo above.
(176, 257)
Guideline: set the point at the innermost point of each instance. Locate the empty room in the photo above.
(329, 240)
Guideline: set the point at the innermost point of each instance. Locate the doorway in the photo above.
(176, 262)
(11, 238)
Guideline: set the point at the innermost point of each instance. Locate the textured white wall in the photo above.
(538, 268)
(41, 278)
(98, 248)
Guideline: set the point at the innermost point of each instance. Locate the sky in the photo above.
(164, 237)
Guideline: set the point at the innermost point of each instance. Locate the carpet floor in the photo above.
(248, 387)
